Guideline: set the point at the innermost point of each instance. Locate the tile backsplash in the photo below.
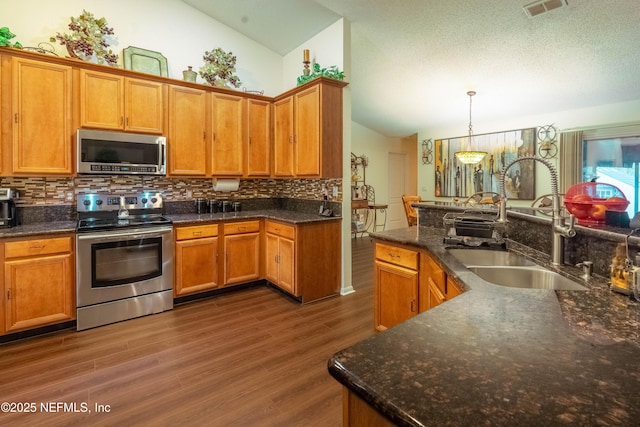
(53, 191)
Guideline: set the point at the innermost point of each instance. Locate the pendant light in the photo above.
(468, 156)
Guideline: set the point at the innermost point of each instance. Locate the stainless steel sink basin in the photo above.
(526, 278)
(473, 257)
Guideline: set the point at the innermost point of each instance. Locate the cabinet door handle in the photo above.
(413, 306)
(242, 228)
(197, 233)
(15, 117)
(249, 140)
(214, 136)
(9, 293)
(36, 247)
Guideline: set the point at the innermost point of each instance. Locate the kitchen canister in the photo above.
(202, 206)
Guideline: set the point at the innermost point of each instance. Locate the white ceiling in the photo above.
(414, 60)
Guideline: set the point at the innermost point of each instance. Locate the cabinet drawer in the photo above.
(434, 272)
(196, 231)
(241, 227)
(398, 256)
(281, 230)
(26, 248)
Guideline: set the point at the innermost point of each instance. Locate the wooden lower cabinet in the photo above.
(396, 291)
(38, 283)
(408, 281)
(433, 282)
(196, 255)
(318, 260)
(453, 289)
(357, 413)
(241, 252)
(280, 255)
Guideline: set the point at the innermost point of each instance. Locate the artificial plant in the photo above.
(88, 38)
(5, 38)
(219, 68)
(332, 72)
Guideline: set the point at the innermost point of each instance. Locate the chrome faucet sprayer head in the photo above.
(558, 227)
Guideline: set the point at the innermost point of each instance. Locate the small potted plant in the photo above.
(219, 68)
(88, 39)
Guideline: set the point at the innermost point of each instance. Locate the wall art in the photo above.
(455, 179)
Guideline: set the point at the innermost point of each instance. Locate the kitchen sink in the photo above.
(526, 277)
(481, 257)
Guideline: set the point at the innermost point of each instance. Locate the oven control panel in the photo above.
(107, 202)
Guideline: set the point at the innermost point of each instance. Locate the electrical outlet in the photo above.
(70, 195)
(189, 194)
(335, 191)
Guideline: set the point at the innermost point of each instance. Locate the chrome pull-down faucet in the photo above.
(559, 229)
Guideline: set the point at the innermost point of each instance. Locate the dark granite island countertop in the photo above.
(501, 356)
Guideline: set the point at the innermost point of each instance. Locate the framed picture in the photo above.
(456, 179)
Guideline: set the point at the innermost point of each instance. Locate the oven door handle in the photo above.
(104, 237)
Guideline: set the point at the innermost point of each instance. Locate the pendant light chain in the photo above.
(469, 156)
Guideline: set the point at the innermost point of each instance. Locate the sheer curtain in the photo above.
(570, 159)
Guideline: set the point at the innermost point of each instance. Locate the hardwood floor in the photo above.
(250, 358)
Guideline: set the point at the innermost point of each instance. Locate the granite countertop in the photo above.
(292, 217)
(502, 356)
(43, 228)
(57, 227)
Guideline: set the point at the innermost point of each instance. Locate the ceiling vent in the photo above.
(542, 6)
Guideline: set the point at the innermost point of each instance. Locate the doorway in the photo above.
(396, 183)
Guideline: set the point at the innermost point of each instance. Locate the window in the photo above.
(615, 161)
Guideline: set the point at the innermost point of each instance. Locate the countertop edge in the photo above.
(59, 227)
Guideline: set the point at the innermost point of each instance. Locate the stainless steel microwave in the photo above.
(120, 153)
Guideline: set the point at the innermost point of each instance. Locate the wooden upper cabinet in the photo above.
(114, 102)
(316, 131)
(187, 143)
(258, 141)
(283, 137)
(41, 115)
(226, 139)
(144, 101)
(307, 132)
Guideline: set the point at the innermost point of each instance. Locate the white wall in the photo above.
(178, 31)
(563, 120)
(377, 148)
(326, 48)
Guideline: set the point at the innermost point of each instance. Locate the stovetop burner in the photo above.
(98, 212)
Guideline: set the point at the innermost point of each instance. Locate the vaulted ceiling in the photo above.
(414, 60)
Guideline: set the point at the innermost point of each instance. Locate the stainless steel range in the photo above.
(124, 258)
